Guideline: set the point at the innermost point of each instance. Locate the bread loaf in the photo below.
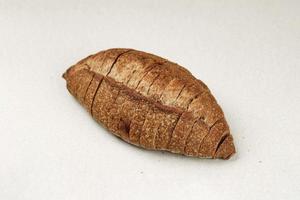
(151, 102)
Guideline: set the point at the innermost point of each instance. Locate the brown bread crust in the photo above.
(151, 102)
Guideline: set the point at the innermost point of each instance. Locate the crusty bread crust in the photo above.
(151, 102)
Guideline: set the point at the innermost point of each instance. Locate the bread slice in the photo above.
(151, 102)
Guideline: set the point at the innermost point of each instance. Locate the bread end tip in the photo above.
(226, 149)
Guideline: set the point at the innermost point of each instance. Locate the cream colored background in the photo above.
(248, 53)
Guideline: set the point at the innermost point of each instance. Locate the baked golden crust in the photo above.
(151, 102)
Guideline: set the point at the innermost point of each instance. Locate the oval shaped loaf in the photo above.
(151, 102)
